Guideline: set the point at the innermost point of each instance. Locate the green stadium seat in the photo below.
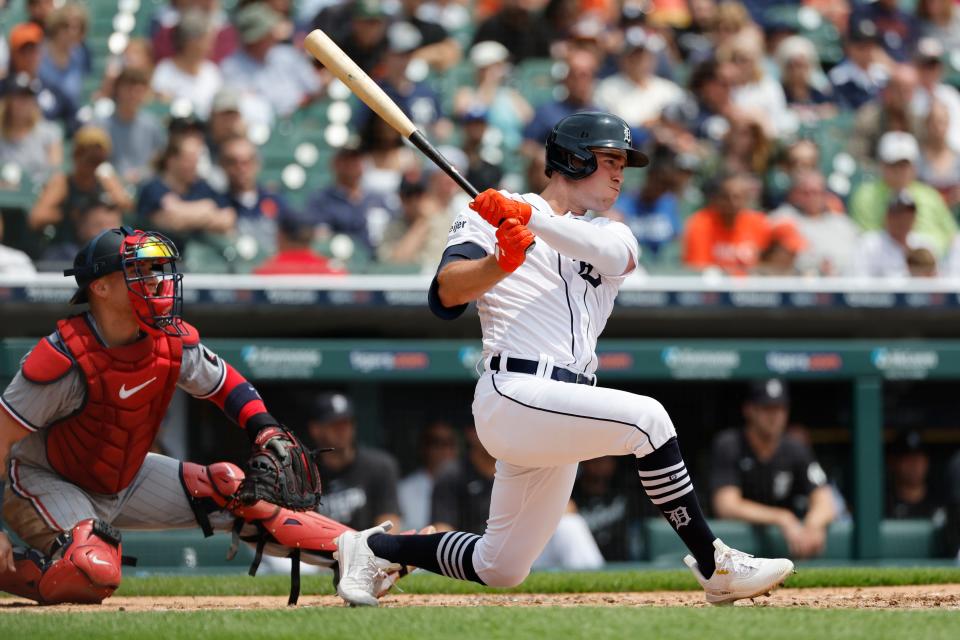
(534, 80)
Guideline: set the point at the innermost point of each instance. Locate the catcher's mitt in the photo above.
(282, 471)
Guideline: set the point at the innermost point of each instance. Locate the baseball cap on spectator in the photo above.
(24, 34)
(772, 391)
(193, 24)
(295, 225)
(929, 50)
(476, 113)
(256, 21)
(225, 100)
(897, 146)
(403, 38)
(637, 38)
(332, 407)
(902, 201)
(906, 441)
(588, 27)
(369, 9)
(483, 54)
(864, 30)
(92, 136)
(412, 184)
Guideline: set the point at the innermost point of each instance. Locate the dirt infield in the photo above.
(913, 597)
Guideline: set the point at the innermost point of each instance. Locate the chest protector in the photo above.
(102, 447)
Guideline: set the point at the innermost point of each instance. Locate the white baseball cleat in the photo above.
(360, 570)
(739, 575)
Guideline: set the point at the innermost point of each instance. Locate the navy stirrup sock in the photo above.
(449, 554)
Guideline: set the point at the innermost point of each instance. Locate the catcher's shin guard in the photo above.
(84, 567)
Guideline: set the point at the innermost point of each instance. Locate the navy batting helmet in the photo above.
(578, 135)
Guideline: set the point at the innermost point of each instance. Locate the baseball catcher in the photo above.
(79, 417)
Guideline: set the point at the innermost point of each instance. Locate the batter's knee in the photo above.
(504, 576)
(655, 422)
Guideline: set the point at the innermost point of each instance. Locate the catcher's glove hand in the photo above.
(281, 471)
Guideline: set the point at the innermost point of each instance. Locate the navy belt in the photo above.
(518, 365)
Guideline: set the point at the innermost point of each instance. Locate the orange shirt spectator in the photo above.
(726, 233)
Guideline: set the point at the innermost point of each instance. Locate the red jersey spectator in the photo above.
(294, 255)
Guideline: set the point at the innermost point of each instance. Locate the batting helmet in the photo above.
(147, 260)
(578, 135)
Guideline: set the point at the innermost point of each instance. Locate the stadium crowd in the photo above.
(789, 138)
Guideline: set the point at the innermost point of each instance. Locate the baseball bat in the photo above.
(339, 63)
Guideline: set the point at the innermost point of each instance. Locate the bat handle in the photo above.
(420, 142)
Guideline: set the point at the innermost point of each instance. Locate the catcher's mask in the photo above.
(147, 260)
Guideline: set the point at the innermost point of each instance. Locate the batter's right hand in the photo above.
(513, 240)
(494, 207)
(6, 554)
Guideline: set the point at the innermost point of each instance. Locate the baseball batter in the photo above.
(79, 418)
(545, 279)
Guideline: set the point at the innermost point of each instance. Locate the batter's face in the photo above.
(600, 189)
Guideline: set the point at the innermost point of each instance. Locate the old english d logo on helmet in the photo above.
(578, 135)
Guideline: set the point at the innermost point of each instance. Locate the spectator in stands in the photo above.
(940, 19)
(98, 215)
(891, 113)
(898, 153)
(437, 47)
(761, 475)
(707, 115)
(828, 234)
(415, 98)
(726, 234)
(386, 159)
(746, 146)
(519, 28)
(636, 94)
(346, 206)
(754, 91)
(137, 55)
(579, 84)
(359, 483)
(417, 236)
(179, 203)
(653, 214)
(295, 255)
(480, 173)
(952, 529)
(38, 11)
(779, 258)
(930, 86)
(165, 20)
(13, 262)
(908, 493)
(189, 75)
(26, 139)
(883, 253)
(360, 28)
(693, 40)
(65, 62)
(861, 75)
(135, 133)
(66, 197)
(276, 75)
(939, 165)
(437, 448)
(258, 208)
(226, 122)
(612, 512)
(25, 52)
(798, 60)
(507, 110)
(896, 29)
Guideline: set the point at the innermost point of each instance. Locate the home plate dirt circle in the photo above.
(945, 596)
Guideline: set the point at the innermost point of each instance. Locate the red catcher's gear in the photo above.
(84, 569)
(102, 447)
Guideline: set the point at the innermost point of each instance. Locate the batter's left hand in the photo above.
(494, 207)
(513, 240)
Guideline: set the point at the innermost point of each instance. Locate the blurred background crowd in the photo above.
(787, 138)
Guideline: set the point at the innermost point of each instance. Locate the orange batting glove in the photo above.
(513, 240)
(494, 207)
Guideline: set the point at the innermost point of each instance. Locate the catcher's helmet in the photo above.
(148, 262)
(577, 135)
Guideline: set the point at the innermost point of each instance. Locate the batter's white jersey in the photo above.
(553, 305)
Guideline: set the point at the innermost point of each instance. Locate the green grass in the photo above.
(494, 622)
(601, 581)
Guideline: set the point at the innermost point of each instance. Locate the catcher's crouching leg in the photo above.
(300, 535)
(84, 567)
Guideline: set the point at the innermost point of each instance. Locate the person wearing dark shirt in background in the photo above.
(461, 494)
(952, 530)
(524, 33)
(908, 493)
(359, 483)
(611, 512)
(763, 476)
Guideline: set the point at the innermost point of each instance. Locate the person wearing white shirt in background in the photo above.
(189, 75)
(635, 93)
(929, 64)
(13, 262)
(829, 234)
(883, 254)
